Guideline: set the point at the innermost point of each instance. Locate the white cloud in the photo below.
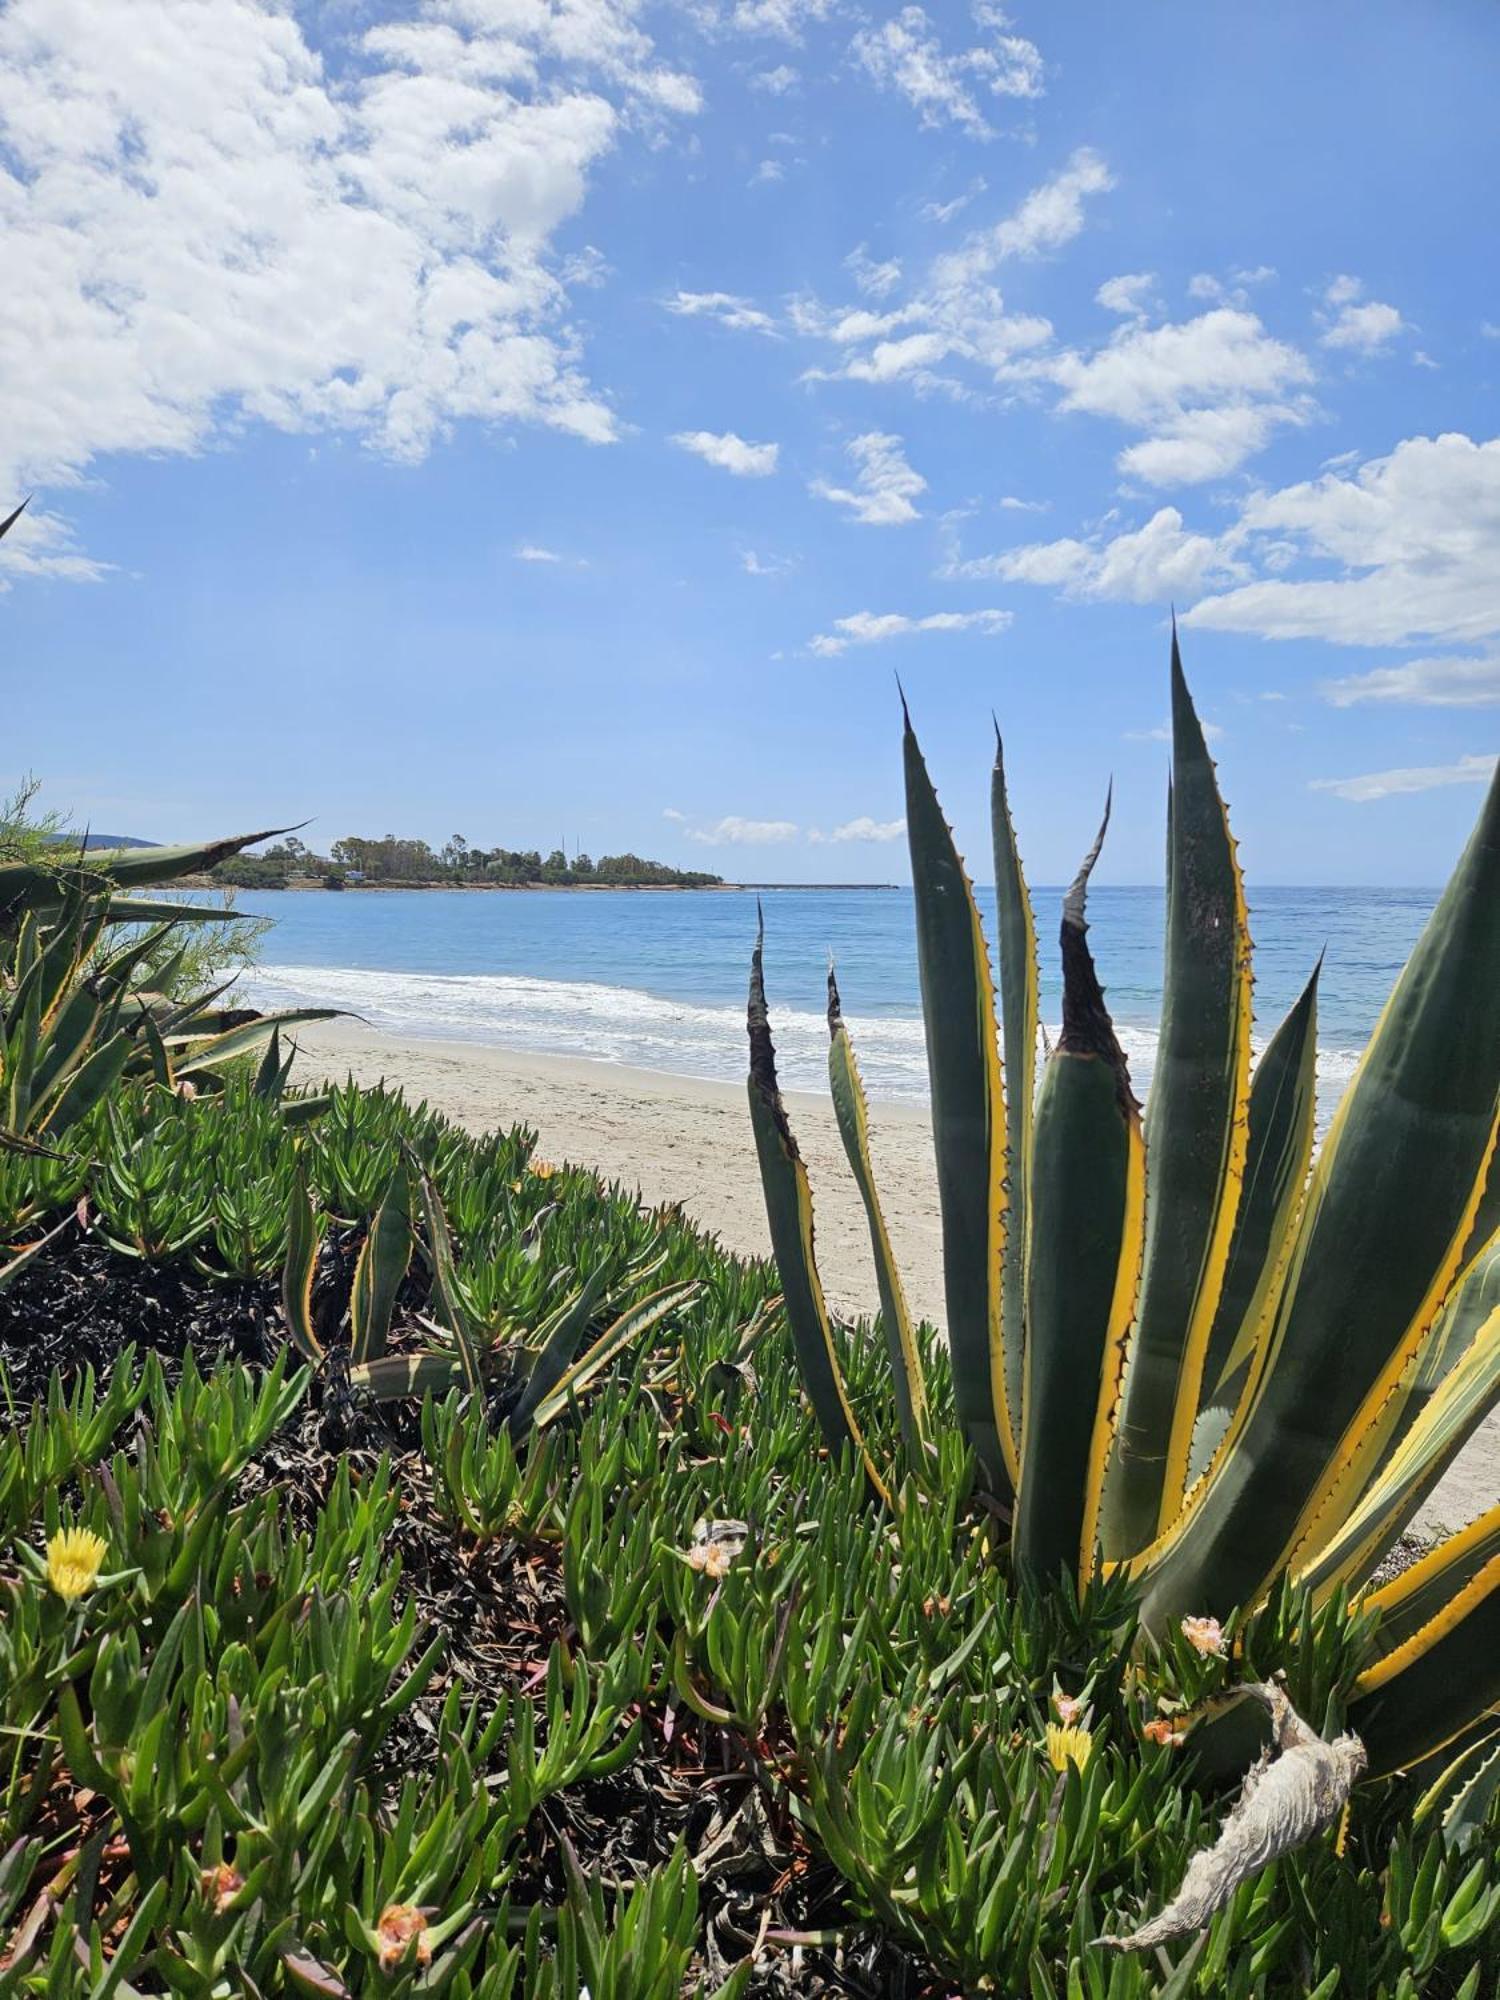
(1158, 562)
(1472, 770)
(905, 54)
(533, 552)
(1354, 323)
(1233, 291)
(1129, 294)
(732, 831)
(776, 82)
(784, 18)
(754, 564)
(671, 812)
(884, 486)
(1413, 539)
(865, 828)
(730, 452)
(768, 171)
(956, 312)
(1472, 682)
(944, 211)
(1210, 391)
(870, 628)
(875, 280)
(214, 232)
(726, 307)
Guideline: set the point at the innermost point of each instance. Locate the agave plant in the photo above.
(1181, 1350)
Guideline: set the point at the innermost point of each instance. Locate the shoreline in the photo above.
(686, 1140)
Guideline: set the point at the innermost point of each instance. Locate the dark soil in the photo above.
(500, 1608)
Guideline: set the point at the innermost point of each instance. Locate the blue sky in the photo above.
(558, 420)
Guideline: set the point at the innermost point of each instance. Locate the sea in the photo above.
(658, 980)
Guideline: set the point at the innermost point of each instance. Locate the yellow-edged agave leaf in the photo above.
(1390, 1209)
(853, 1122)
(1283, 1093)
(1447, 1420)
(632, 1323)
(1439, 1635)
(789, 1214)
(1086, 1234)
(1019, 1018)
(380, 1268)
(1461, 1795)
(304, 1233)
(968, 1121)
(245, 1036)
(556, 1344)
(1197, 1129)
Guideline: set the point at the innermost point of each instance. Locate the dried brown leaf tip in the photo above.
(1286, 1799)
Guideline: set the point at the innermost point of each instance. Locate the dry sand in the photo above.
(682, 1139)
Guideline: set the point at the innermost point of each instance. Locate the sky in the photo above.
(560, 421)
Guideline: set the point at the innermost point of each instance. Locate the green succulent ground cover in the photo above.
(376, 1697)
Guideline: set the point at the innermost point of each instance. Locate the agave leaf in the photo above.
(304, 1234)
(93, 1079)
(968, 1122)
(1087, 1225)
(1283, 1093)
(1196, 1137)
(1446, 1421)
(556, 1344)
(395, 1376)
(146, 910)
(130, 866)
(849, 1108)
(1020, 1014)
(1440, 1663)
(1462, 1796)
(630, 1325)
(789, 1214)
(248, 1035)
(382, 1264)
(1390, 1209)
(445, 1274)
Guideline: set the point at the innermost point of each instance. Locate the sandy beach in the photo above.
(682, 1139)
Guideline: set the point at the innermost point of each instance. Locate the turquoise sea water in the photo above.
(658, 981)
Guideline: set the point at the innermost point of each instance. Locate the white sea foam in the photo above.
(622, 1024)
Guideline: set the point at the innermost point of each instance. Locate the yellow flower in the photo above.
(1067, 1744)
(1204, 1635)
(399, 1924)
(74, 1559)
(543, 1170)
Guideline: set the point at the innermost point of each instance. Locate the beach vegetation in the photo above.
(1187, 1356)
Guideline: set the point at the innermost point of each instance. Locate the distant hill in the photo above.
(92, 839)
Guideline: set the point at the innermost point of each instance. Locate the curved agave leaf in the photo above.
(382, 1264)
(1448, 1419)
(1283, 1093)
(1196, 1137)
(1087, 1227)
(789, 1214)
(1389, 1211)
(207, 1054)
(304, 1233)
(968, 1121)
(1462, 1793)
(1020, 1016)
(631, 1324)
(849, 1109)
(1440, 1660)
